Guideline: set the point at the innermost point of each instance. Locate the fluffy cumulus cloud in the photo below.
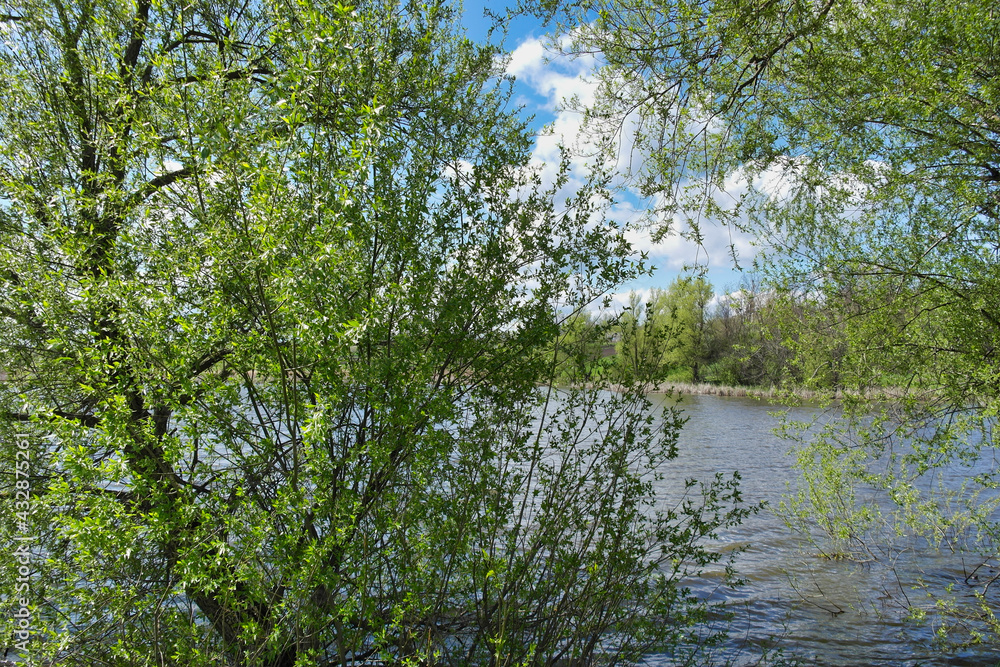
(552, 77)
(546, 82)
(553, 87)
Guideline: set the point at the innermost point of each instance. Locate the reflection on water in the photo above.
(820, 611)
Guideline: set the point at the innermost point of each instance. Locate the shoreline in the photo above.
(781, 395)
(770, 393)
(785, 395)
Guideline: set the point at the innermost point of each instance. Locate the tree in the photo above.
(682, 309)
(579, 351)
(640, 345)
(863, 142)
(748, 338)
(668, 337)
(274, 393)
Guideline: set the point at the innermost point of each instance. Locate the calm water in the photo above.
(822, 612)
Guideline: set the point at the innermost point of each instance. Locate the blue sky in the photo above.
(542, 81)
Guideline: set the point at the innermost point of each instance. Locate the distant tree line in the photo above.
(750, 336)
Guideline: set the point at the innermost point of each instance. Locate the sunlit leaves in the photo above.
(860, 142)
(280, 279)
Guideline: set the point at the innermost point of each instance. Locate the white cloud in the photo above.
(555, 83)
(622, 300)
(555, 77)
(168, 165)
(546, 81)
(527, 58)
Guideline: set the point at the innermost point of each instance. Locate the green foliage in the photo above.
(863, 146)
(667, 338)
(640, 344)
(683, 311)
(749, 338)
(747, 342)
(268, 330)
(579, 352)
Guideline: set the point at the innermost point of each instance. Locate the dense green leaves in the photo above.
(862, 145)
(278, 298)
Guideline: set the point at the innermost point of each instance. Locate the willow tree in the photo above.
(275, 281)
(861, 142)
(668, 337)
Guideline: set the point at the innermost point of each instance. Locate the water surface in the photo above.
(823, 612)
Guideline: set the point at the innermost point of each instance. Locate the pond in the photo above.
(820, 611)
